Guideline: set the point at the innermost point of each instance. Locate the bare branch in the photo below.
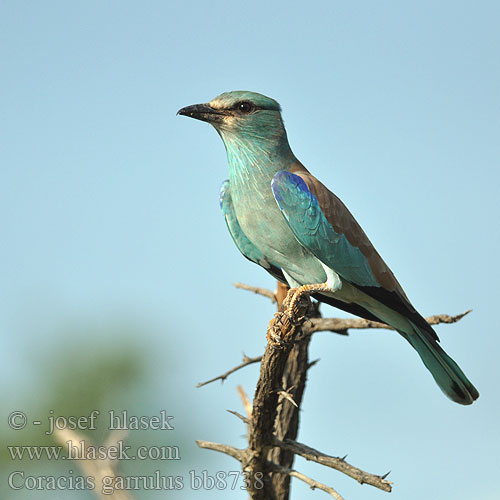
(246, 361)
(242, 456)
(286, 395)
(273, 419)
(283, 330)
(335, 463)
(115, 436)
(342, 325)
(240, 416)
(311, 482)
(446, 318)
(281, 293)
(244, 399)
(223, 448)
(264, 412)
(259, 291)
(99, 468)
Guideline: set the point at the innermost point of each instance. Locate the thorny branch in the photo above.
(272, 422)
(335, 463)
(242, 456)
(246, 361)
(259, 291)
(311, 482)
(342, 325)
(318, 324)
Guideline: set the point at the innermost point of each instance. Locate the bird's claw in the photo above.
(276, 342)
(278, 329)
(296, 304)
(293, 313)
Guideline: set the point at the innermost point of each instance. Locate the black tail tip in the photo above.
(463, 397)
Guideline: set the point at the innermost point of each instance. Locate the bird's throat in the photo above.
(253, 162)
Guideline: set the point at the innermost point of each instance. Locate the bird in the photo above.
(284, 219)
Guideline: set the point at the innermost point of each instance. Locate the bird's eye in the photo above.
(246, 107)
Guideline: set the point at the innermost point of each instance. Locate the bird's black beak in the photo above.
(202, 112)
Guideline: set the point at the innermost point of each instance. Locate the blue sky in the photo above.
(109, 208)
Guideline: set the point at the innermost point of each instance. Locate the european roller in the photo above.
(284, 219)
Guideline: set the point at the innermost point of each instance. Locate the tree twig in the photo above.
(246, 361)
(244, 419)
(236, 453)
(259, 291)
(101, 469)
(342, 325)
(245, 401)
(306, 479)
(335, 463)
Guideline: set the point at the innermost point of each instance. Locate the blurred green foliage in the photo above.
(73, 379)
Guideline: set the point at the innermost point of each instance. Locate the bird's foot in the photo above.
(297, 301)
(279, 330)
(294, 308)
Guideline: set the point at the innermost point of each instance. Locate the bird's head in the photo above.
(242, 116)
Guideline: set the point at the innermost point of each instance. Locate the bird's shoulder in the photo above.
(390, 292)
(343, 222)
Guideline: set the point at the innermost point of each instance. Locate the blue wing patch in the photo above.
(311, 228)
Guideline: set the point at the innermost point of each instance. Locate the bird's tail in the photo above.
(447, 374)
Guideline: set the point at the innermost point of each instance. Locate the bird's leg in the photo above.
(293, 312)
(295, 307)
(332, 284)
(296, 295)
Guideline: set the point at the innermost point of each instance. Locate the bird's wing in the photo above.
(252, 253)
(245, 246)
(324, 225)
